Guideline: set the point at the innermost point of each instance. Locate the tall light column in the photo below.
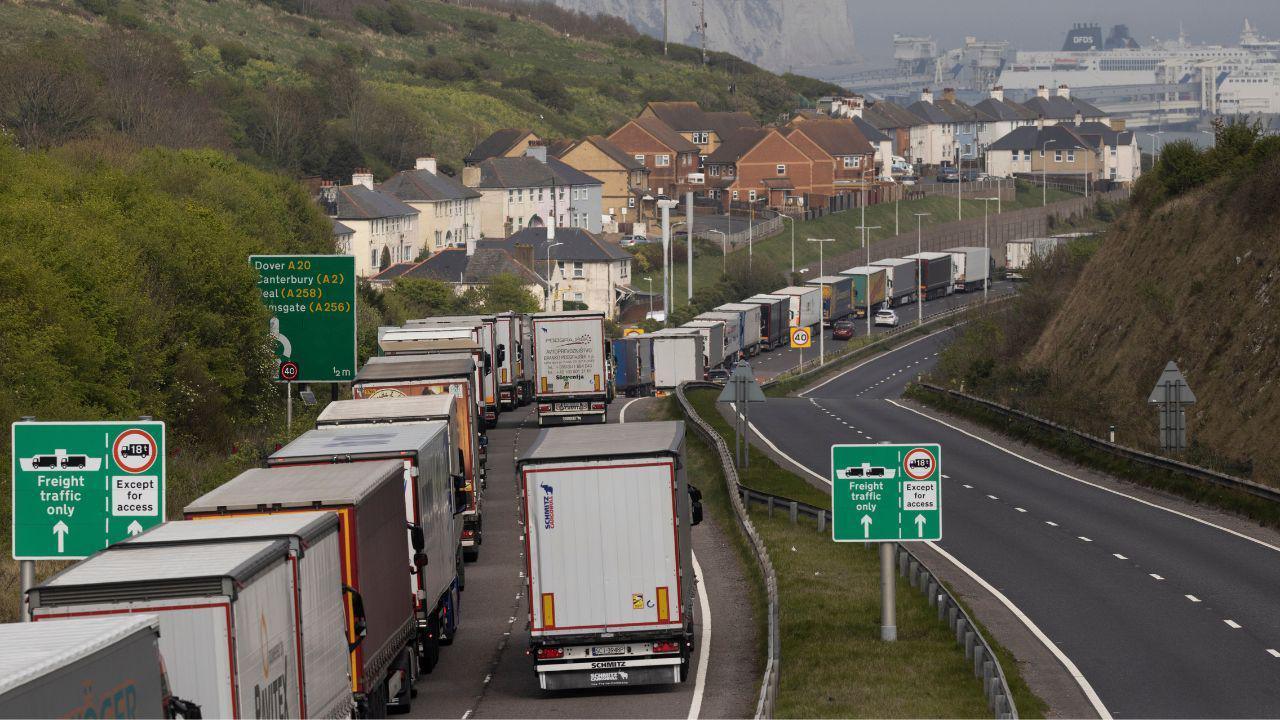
(986, 243)
(822, 345)
(919, 249)
(866, 243)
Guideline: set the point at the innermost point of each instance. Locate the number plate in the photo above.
(570, 407)
(607, 650)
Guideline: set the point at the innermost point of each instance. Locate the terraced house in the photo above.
(759, 166)
(533, 190)
(383, 230)
(447, 208)
(666, 153)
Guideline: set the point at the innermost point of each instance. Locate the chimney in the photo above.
(1042, 92)
(362, 176)
(471, 176)
(329, 197)
(524, 255)
(1064, 91)
(949, 95)
(1079, 118)
(926, 95)
(997, 93)
(1117, 124)
(425, 163)
(537, 150)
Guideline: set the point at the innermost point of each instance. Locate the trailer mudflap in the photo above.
(656, 671)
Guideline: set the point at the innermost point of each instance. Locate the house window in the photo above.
(520, 195)
(631, 202)
(1113, 151)
(782, 169)
(577, 269)
(639, 159)
(715, 171)
(511, 196)
(662, 160)
(1071, 156)
(751, 195)
(560, 267)
(850, 161)
(1057, 156)
(373, 257)
(577, 296)
(1112, 173)
(1026, 155)
(539, 194)
(735, 194)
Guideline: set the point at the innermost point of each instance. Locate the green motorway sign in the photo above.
(312, 299)
(886, 492)
(80, 486)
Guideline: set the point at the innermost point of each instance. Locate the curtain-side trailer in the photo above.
(421, 409)
(677, 357)
(752, 323)
(806, 305)
(901, 280)
(369, 500)
(837, 296)
(774, 319)
(571, 368)
(869, 288)
(935, 273)
(445, 341)
(970, 267)
(608, 512)
(484, 330)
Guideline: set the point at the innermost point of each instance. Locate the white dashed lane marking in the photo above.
(1274, 653)
(1022, 510)
(1232, 624)
(1118, 556)
(1157, 577)
(1193, 598)
(1050, 522)
(1084, 538)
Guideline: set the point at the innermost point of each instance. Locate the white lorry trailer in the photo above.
(752, 323)
(970, 267)
(677, 357)
(484, 331)
(611, 585)
(805, 309)
(98, 667)
(712, 341)
(227, 618)
(570, 367)
(730, 330)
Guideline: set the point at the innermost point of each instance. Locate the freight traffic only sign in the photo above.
(80, 486)
(312, 299)
(886, 492)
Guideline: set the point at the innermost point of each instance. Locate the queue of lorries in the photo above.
(324, 583)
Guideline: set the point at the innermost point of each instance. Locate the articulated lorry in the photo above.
(902, 278)
(677, 357)
(730, 331)
(632, 365)
(484, 330)
(607, 515)
(93, 667)
(935, 273)
(869, 288)
(748, 327)
(462, 443)
(752, 323)
(434, 497)
(1020, 254)
(805, 309)
(570, 367)
(837, 296)
(970, 267)
(398, 342)
(380, 621)
(713, 343)
(774, 319)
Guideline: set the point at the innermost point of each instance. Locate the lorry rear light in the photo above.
(597, 406)
(666, 647)
(544, 407)
(550, 653)
(468, 533)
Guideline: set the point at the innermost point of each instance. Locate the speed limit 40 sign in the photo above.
(801, 338)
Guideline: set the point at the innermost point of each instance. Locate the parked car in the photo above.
(887, 318)
(909, 179)
(719, 375)
(842, 330)
(629, 240)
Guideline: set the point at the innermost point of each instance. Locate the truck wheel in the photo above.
(429, 650)
(471, 554)
(462, 570)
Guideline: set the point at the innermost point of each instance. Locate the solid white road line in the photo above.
(1074, 671)
(622, 414)
(1139, 500)
(1193, 598)
(1232, 624)
(704, 642)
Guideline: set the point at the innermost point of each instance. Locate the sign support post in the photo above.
(288, 407)
(27, 569)
(888, 594)
(740, 390)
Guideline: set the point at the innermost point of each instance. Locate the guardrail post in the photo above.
(793, 511)
(961, 626)
(912, 571)
(769, 500)
(932, 593)
(973, 651)
(903, 560)
(822, 520)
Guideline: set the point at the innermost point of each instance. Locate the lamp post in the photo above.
(867, 245)
(986, 243)
(547, 305)
(650, 281)
(667, 289)
(793, 241)
(919, 249)
(724, 250)
(822, 346)
(1044, 173)
(1153, 146)
(959, 184)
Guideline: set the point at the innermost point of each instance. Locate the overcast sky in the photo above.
(1042, 24)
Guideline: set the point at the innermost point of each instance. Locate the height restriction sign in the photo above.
(80, 486)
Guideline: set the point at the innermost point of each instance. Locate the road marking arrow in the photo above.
(134, 528)
(920, 525)
(866, 526)
(61, 531)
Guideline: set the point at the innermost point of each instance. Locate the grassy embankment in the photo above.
(833, 662)
(775, 252)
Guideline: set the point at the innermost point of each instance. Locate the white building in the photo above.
(382, 227)
(529, 191)
(447, 210)
(584, 268)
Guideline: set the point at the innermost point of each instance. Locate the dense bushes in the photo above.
(125, 287)
(1239, 154)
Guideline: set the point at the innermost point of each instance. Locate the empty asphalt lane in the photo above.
(1080, 561)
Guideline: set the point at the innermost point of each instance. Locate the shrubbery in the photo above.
(1239, 153)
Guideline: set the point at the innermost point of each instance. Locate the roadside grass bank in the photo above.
(1073, 449)
(833, 662)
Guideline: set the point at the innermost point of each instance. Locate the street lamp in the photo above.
(650, 281)
(986, 243)
(919, 249)
(667, 290)
(547, 305)
(822, 347)
(793, 241)
(1044, 173)
(866, 244)
(1153, 145)
(724, 249)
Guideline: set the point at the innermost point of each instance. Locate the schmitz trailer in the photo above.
(837, 296)
(228, 627)
(970, 267)
(607, 513)
(868, 288)
(774, 319)
(463, 445)
(935, 273)
(314, 546)
(806, 305)
(96, 667)
(712, 341)
(369, 500)
(434, 496)
(677, 357)
(571, 369)
(902, 277)
(752, 324)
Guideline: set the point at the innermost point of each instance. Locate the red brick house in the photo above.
(668, 156)
(852, 156)
(762, 166)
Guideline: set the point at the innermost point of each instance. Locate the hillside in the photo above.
(316, 87)
(1189, 274)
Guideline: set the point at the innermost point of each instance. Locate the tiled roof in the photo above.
(1060, 108)
(726, 122)
(499, 143)
(392, 272)
(448, 265)
(357, 202)
(426, 186)
(339, 229)
(836, 137)
(886, 115)
(1030, 137)
(683, 116)
(737, 144)
(998, 110)
(869, 131)
(665, 134)
(488, 263)
(515, 172)
(557, 148)
(575, 244)
(930, 112)
(566, 175)
(617, 154)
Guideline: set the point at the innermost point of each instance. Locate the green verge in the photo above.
(1073, 449)
(833, 663)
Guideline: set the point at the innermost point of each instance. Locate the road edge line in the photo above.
(704, 649)
(1055, 471)
(878, 356)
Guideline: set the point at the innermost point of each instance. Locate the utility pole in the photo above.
(822, 346)
(866, 244)
(665, 206)
(546, 306)
(919, 249)
(688, 239)
(702, 25)
(664, 28)
(986, 243)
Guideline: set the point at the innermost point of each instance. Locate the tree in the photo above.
(421, 298)
(508, 293)
(47, 95)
